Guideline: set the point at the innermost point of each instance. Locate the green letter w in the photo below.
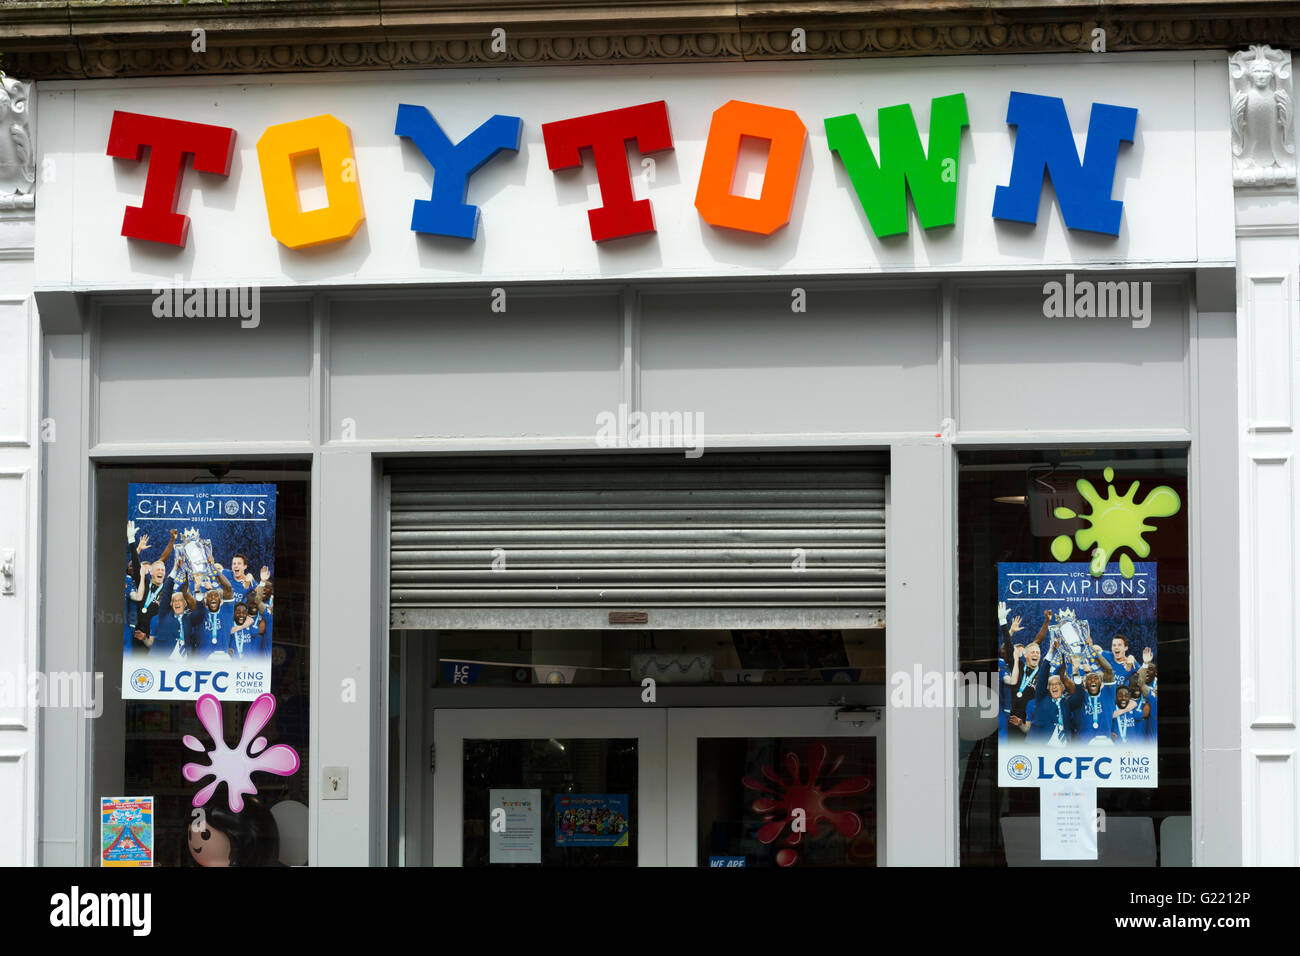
(932, 180)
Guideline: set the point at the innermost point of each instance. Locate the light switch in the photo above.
(334, 783)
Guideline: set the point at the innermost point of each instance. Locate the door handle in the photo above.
(7, 571)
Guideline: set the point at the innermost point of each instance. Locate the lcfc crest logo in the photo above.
(1019, 767)
(142, 681)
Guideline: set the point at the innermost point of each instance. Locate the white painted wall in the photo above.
(1173, 179)
(861, 364)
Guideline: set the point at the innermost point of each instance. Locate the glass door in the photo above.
(714, 786)
(549, 787)
(785, 786)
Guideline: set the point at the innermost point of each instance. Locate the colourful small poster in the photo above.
(592, 819)
(126, 831)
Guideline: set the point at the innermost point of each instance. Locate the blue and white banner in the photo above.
(200, 563)
(1078, 675)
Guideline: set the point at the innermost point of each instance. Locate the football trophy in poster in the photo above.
(197, 562)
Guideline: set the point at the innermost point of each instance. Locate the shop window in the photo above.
(688, 657)
(1073, 591)
(203, 641)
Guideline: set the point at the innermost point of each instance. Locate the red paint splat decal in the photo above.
(805, 794)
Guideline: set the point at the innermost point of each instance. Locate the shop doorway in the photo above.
(764, 786)
(533, 598)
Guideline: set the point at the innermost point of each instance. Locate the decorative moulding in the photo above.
(43, 40)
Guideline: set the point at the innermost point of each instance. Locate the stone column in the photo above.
(20, 436)
(1268, 348)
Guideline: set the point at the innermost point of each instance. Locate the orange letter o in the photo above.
(714, 199)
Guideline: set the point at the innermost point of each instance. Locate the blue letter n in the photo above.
(447, 213)
(1045, 143)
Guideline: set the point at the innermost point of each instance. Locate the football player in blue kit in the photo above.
(1148, 675)
(213, 618)
(1094, 703)
(1128, 722)
(1144, 675)
(246, 634)
(265, 593)
(1143, 695)
(261, 614)
(1119, 659)
(241, 582)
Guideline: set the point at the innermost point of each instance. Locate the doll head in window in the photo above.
(218, 837)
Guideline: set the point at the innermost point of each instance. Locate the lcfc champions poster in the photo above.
(1078, 676)
(199, 597)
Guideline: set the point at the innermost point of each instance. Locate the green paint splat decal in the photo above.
(1115, 522)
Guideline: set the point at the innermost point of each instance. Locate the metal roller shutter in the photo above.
(728, 540)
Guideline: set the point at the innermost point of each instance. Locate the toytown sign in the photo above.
(828, 169)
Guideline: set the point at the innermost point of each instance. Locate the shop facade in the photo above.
(653, 516)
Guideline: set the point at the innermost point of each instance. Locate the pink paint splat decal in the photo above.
(235, 766)
(803, 793)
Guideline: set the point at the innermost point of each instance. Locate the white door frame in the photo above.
(451, 727)
(687, 724)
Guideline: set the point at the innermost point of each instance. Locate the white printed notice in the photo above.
(515, 826)
(1067, 817)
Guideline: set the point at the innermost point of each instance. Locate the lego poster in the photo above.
(1078, 675)
(199, 591)
(126, 831)
(591, 819)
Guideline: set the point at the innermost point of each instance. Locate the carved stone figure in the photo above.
(17, 158)
(1263, 147)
